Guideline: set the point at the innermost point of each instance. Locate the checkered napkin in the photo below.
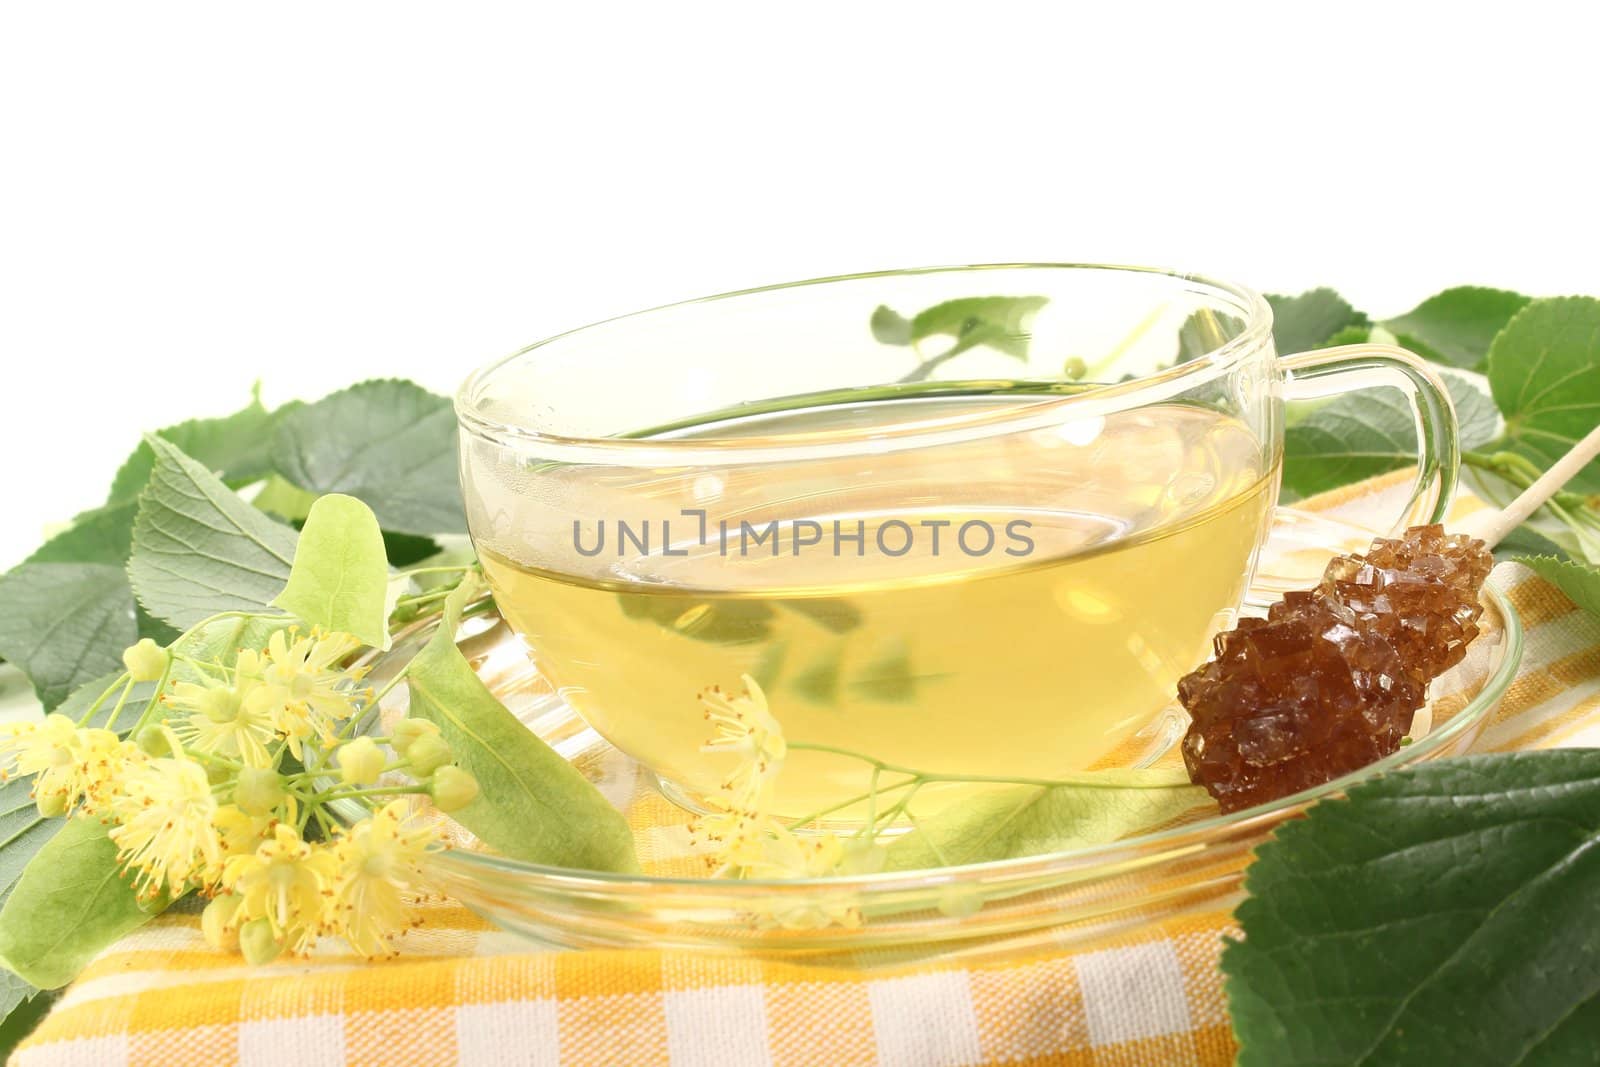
(463, 992)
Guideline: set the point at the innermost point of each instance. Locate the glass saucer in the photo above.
(987, 910)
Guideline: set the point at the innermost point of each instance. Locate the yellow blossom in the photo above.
(73, 767)
(745, 727)
(241, 832)
(223, 720)
(378, 858)
(285, 882)
(302, 692)
(166, 832)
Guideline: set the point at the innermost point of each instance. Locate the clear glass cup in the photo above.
(975, 521)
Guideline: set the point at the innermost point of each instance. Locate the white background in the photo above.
(197, 197)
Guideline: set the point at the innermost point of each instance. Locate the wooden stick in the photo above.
(1492, 525)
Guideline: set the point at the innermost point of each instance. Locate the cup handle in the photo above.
(1302, 541)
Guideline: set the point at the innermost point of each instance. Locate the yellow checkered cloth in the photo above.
(463, 992)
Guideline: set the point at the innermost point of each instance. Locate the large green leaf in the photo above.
(104, 535)
(1014, 821)
(70, 903)
(1544, 368)
(1458, 325)
(1580, 581)
(533, 804)
(389, 443)
(1368, 433)
(237, 447)
(1301, 323)
(65, 623)
(1449, 913)
(340, 578)
(23, 832)
(198, 549)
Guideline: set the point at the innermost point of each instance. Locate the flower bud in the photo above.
(145, 661)
(407, 731)
(220, 705)
(257, 942)
(51, 804)
(453, 788)
(216, 922)
(427, 754)
(152, 741)
(361, 761)
(259, 790)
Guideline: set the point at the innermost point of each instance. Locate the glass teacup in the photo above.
(972, 521)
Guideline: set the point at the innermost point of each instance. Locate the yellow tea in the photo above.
(1023, 606)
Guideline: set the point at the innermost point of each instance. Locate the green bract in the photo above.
(533, 804)
(340, 579)
(1020, 820)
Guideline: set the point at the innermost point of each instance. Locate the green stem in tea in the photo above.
(1087, 780)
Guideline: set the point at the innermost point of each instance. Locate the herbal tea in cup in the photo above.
(975, 522)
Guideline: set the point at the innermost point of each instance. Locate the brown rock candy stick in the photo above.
(1329, 681)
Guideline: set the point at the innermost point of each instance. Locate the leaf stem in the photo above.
(126, 681)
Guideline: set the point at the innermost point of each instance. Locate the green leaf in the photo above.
(65, 623)
(70, 903)
(278, 497)
(340, 577)
(1017, 821)
(1579, 581)
(389, 443)
(1544, 368)
(533, 804)
(406, 550)
(1527, 541)
(1301, 323)
(1348, 335)
(890, 327)
(23, 1007)
(238, 447)
(104, 535)
(1458, 325)
(220, 640)
(198, 549)
(23, 832)
(1364, 434)
(1441, 914)
(1003, 323)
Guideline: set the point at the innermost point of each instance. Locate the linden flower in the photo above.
(378, 858)
(301, 692)
(746, 728)
(167, 830)
(224, 720)
(73, 766)
(285, 882)
(734, 834)
(776, 852)
(240, 832)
